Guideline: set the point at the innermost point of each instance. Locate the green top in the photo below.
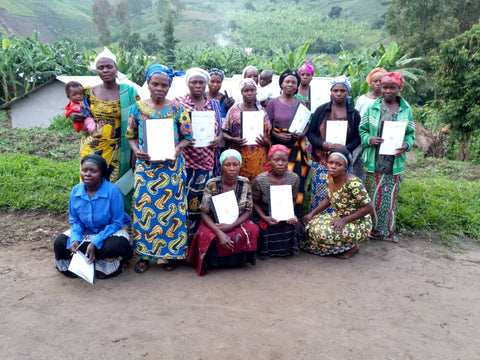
(369, 126)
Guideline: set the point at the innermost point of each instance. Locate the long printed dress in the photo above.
(110, 116)
(205, 252)
(280, 116)
(160, 206)
(254, 157)
(321, 239)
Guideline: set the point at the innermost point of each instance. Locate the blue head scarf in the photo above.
(341, 80)
(161, 69)
(228, 153)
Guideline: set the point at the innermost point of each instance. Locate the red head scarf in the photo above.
(273, 150)
(394, 77)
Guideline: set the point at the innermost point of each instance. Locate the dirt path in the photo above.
(416, 300)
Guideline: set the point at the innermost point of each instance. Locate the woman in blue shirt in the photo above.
(98, 223)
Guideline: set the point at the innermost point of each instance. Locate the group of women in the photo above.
(173, 213)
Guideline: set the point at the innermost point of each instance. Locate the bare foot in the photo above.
(96, 134)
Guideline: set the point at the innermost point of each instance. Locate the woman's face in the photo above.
(231, 168)
(158, 85)
(339, 93)
(376, 84)
(107, 69)
(390, 91)
(305, 78)
(289, 85)
(215, 84)
(90, 174)
(336, 165)
(249, 94)
(197, 85)
(252, 74)
(278, 162)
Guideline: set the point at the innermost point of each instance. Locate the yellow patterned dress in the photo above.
(321, 239)
(160, 205)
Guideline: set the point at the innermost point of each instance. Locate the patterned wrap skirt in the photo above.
(160, 210)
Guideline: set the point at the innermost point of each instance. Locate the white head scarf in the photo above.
(108, 55)
(197, 71)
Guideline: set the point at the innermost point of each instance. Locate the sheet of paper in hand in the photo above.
(393, 133)
(79, 265)
(252, 126)
(225, 207)
(203, 126)
(336, 132)
(281, 202)
(159, 138)
(300, 119)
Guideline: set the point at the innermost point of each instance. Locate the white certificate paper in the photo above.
(252, 126)
(159, 138)
(281, 203)
(300, 119)
(203, 126)
(393, 133)
(336, 132)
(79, 265)
(225, 207)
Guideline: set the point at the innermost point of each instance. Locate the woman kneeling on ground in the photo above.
(225, 245)
(338, 233)
(98, 223)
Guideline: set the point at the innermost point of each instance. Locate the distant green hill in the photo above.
(258, 24)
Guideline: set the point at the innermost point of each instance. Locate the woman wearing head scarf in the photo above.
(201, 163)
(338, 233)
(250, 72)
(98, 223)
(225, 245)
(159, 211)
(374, 80)
(109, 103)
(384, 172)
(306, 73)
(254, 157)
(338, 109)
(214, 86)
(278, 238)
(280, 111)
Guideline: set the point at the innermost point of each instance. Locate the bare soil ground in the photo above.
(414, 300)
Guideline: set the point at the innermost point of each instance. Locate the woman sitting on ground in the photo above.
(278, 238)
(225, 245)
(340, 231)
(98, 223)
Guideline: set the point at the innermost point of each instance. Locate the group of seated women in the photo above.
(174, 215)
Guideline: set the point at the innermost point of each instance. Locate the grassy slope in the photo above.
(200, 20)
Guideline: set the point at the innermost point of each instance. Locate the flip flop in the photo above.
(349, 253)
(169, 266)
(141, 266)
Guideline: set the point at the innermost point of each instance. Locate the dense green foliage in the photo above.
(457, 78)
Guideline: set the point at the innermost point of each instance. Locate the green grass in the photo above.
(16, 8)
(31, 183)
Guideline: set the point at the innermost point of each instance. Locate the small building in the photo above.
(39, 106)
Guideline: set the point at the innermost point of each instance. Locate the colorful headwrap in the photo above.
(247, 69)
(230, 153)
(197, 71)
(99, 161)
(161, 69)
(247, 82)
(341, 80)
(344, 154)
(395, 77)
(273, 150)
(218, 72)
(308, 66)
(378, 70)
(286, 73)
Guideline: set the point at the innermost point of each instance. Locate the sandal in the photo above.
(349, 253)
(393, 239)
(169, 266)
(141, 266)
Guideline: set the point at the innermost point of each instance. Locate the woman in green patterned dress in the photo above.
(338, 233)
